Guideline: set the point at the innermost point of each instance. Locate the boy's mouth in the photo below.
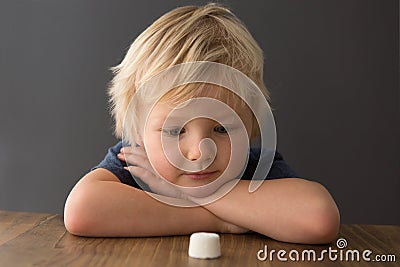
(200, 175)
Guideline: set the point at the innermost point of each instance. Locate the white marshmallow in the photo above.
(204, 246)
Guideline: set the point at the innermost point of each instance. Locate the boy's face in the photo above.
(189, 138)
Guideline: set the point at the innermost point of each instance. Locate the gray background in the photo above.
(332, 68)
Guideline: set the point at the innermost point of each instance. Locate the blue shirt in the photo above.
(279, 168)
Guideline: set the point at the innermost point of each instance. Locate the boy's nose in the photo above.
(193, 150)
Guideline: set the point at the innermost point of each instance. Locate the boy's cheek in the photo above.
(162, 166)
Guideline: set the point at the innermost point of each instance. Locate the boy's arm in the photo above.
(289, 209)
(100, 205)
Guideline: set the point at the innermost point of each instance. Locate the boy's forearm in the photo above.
(290, 210)
(106, 208)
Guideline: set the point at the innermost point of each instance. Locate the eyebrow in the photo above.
(161, 119)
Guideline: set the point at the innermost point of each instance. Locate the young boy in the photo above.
(109, 200)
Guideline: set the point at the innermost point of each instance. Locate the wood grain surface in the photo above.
(32, 239)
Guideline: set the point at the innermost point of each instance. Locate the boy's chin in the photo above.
(199, 191)
(209, 191)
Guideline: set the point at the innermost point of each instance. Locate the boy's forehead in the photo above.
(198, 107)
(177, 96)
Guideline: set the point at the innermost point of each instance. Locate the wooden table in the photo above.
(32, 239)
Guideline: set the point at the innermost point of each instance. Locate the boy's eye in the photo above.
(174, 131)
(220, 129)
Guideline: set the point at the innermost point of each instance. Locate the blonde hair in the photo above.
(185, 34)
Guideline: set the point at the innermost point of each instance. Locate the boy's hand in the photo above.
(140, 167)
(143, 170)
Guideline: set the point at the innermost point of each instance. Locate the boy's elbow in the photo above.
(324, 222)
(324, 228)
(78, 220)
(72, 223)
(75, 223)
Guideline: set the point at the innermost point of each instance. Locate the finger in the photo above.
(131, 157)
(121, 157)
(139, 150)
(138, 160)
(125, 149)
(134, 151)
(136, 156)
